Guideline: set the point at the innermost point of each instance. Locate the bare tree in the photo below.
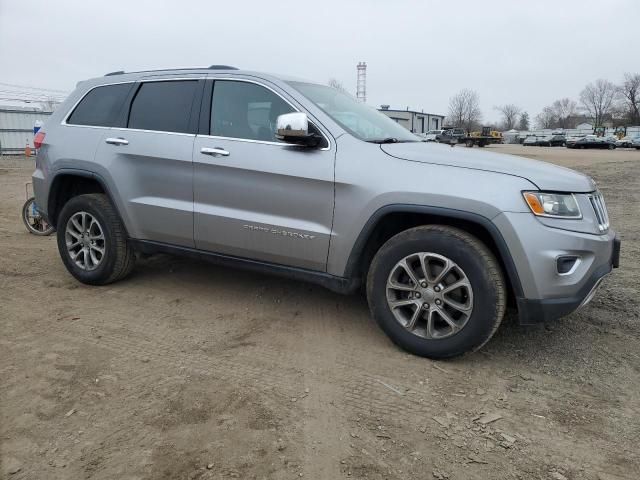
(510, 114)
(337, 84)
(564, 110)
(464, 109)
(524, 121)
(546, 118)
(598, 99)
(630, 93)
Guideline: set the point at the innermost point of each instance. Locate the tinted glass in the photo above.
(245, 110)
(163, 106)
(101, 106)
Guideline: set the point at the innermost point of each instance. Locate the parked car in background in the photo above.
(635, 143)
(530, 141)
(432, 135)
(593, 141)
(571, 140)
(450, 135)
(627, 142)
(555, 141)
(543, 140)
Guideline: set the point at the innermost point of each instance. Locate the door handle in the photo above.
(214, 151)
(117, 141)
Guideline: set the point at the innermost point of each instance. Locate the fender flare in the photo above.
(486, 223)
(86, 174)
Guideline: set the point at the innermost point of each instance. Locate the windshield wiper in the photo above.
(384, 140)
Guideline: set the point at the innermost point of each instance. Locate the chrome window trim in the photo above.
(248, 140)
(152, 131)
(296, 109)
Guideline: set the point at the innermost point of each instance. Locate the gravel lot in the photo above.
(188, 370)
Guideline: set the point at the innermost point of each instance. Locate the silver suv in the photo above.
(296, 178)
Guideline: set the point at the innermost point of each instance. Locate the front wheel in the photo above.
(92, 240)
(436, 291)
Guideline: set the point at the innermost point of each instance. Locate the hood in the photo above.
(545, 176)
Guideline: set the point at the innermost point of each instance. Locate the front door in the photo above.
(256, 197)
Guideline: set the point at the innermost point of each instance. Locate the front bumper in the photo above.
(533, 311)
(546, 294)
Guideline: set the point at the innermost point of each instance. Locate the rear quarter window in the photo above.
(101, 106)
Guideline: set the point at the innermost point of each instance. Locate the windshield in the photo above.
(359, 120)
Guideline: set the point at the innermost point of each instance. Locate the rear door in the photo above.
(150, 159)
(254, 196)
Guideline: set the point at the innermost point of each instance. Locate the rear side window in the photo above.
(101, 106)
(163, 106)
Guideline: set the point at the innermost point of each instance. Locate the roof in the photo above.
(411, 111)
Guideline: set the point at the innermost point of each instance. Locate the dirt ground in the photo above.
(191, 371)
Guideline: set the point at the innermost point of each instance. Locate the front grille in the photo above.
(597, 202)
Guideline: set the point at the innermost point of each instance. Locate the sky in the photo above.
(419, 52)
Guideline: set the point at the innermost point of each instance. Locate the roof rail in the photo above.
(211, 67)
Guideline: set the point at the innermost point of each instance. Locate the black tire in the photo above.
(119, 256)
(478, 263)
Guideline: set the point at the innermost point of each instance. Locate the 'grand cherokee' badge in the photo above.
(277, 231)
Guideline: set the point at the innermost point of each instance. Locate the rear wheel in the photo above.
(92, 240)
(436, 291)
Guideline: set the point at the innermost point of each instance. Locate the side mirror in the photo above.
(294, 128)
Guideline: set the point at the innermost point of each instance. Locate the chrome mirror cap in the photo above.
(294, 124)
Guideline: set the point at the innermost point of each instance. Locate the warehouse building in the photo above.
(416, 122)
(16, 128)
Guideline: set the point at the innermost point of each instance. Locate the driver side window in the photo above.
(245, 110)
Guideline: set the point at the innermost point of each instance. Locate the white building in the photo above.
(16, 127)
(416, 122)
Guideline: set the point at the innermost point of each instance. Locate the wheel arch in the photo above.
(69, 183)
(392, 219)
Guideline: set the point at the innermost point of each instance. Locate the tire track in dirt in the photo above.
(324, 426)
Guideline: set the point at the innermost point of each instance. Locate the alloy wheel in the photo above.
(85, 241)
(429, 295)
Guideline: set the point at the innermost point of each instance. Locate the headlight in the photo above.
(558, 205)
